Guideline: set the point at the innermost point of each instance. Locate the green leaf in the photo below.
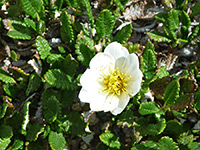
(43, 47)
(195, 9)
(56, 141)
(126, 117)
(33, 132)
(166, 143)
(5, 77)
(18, 144)
(185, 139)
(194, 146)
(172, 92)
(174, 127)
(4, 143)
(158, 37)
(70, 65)
(74, 124)
(173, 22)
(58, 79)
(19, 35)
(110, 140)
(147, 145)
(10, 90)
(149, 61)
(13, 55)
(34, 83)
(3, 110)
(119, 4)
(30, 23)
(5, 131)
(105, 24)
(66, 30)
(84, 49)
(161, 17)
(26, 117)
(197, 100)
(150, 125)
(19, 30)
(32, 7)
(185, 19)
(162, 72)
(148, 108)
(51, 109)
(194, 34)
(182, 102)
(89, 11)
(180, 4)
(123, 34)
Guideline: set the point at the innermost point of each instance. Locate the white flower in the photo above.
(113, 78)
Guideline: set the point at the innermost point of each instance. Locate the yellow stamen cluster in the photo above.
(114, 83)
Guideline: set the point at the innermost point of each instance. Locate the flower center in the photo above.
(115, 83)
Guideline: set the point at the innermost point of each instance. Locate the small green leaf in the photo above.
(110, 140)
(148, 108)
(149, 61)
(51, 109)
(66, 30)
(11, 90)
(13, 55)
(126, 117)
(185, 139)
(69, 65)
(197, 100)
(26, 117)
(3, 110)
(5, 77)
(185, 19)
(58, 79)
(195, 9)
(119, 4)
(158, 37)
(147, 145)
(89, 11)
(34, 83)
(74, 124)
(32, 7)
(30, 23)
(123, 34)
(84, 49)
(172, 92)
(33, 132)
(5, 131)
(18, 144)
(162, 72)
(150, 125)
(4, 143)
(161, 17)
(174, 127)
(43, 47)
(180, 4)
(194, 34)
(166, 143)
(194, 146)
(105, 24)
(19, 35)
(56, 141)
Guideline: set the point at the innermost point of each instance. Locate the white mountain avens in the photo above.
(112, 79)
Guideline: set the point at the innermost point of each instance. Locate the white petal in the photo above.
(134, 86)
(127, 64)
(102, 61)
(84, 96)
(97, 103)
(111, 103)
(123, 101)
(89, 80)
(116, 50)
